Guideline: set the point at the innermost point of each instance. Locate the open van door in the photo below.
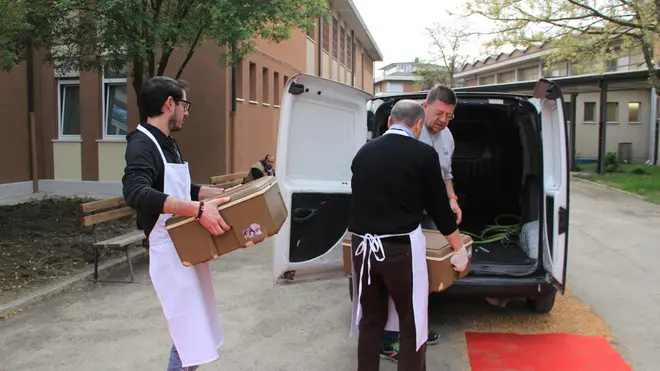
(323, 124)
(555, 180)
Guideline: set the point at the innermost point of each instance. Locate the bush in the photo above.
(611, 163)
(639, 171)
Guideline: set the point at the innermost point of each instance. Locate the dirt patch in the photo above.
(43, 240)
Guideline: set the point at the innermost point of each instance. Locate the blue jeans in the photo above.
(175, 362)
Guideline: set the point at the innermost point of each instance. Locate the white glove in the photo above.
(460, 259)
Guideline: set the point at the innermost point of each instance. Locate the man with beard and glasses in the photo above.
(156, 183)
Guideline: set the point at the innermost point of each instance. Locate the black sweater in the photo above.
(144, 174)
(395, 178)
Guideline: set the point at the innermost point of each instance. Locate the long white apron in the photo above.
(186, 293)
(371, 245)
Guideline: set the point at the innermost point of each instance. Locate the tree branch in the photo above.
(191, 52)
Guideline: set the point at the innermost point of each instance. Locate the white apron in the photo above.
(186, 293)
(371, 245)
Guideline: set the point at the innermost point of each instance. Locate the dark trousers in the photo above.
(391, 277)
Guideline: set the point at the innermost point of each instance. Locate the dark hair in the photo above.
(155, 92)
(266, 158)
(407, 112)
(442, 93)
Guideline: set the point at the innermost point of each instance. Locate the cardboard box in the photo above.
(254, 212)
(438, 254)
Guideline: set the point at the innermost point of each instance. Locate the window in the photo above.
(326, 35)
(335, 38)
(115, 103)
(286, 79)
(589, 112)
(612, 112)
(276, 84)
(253, 82)
(394, 87)
(349, 54)
(342, 46)
(311, 33)
(633, 112)
(487, 80)
(506, 77)
(528, 74)
(239, 80)
(264, 86)
(69, 108)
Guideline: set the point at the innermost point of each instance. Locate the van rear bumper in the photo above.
(530, 287)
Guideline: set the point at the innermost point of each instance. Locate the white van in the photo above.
(511, 159)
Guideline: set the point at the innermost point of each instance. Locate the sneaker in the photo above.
(390, 352)
(433, 338)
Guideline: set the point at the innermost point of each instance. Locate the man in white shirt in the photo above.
(439, 105)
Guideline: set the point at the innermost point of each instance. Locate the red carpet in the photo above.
(543, 352)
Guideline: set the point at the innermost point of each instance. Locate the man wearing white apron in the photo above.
(156, 183)
(439, 107)
(395, 178)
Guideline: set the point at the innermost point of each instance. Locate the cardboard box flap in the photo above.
(237, 194)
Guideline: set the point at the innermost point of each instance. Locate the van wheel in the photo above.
(543, 304)
(350, 288)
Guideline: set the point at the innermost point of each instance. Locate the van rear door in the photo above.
(323, 124)
(550, 102)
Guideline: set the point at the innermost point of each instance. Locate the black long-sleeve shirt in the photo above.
(394, 179)
(144, 174)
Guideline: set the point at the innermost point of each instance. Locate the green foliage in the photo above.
(446, 43)
(13, 26)
(429, 74)
(611, 163)
(94, 34)
(587, 33)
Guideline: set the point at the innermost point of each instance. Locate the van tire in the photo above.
(543, 304)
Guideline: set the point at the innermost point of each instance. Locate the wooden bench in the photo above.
(228, 180)
(96, 212)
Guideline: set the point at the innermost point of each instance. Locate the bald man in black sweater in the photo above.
(395, 178)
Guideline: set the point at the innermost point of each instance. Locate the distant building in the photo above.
(395, 78)
(631, 101)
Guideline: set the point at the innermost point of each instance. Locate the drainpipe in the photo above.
(353, 57)
(31, 116)
(653, 134)
(232, 115)
(319, 44)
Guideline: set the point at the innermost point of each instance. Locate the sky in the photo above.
(398, 27)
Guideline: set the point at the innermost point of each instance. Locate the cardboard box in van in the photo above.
(438, 255)
(254, 212)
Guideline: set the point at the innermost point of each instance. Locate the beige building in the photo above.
(630, 102)
(81, 119)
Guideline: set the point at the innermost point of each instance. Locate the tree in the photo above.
(429, 74)
(96, 34)
(589, 34)
(446, 44)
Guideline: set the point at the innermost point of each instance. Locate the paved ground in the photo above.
(304, 327)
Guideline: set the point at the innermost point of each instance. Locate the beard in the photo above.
(172, 123)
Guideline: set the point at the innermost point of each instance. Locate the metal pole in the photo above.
(602, 127)
(573, 116)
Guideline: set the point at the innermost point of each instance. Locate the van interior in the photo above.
(497, 169)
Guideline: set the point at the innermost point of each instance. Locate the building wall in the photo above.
(619, 130)
(213, 141)
(401, 86)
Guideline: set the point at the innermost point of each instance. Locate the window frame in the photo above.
(62, 82)
(106, 83)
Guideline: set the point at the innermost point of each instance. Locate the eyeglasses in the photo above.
(445, 115)
(186, 104)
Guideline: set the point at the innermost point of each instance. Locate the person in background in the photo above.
(261, 168)
(395, 178)
(156, 183)
(439, 107)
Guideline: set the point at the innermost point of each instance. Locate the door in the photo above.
(550, 103)
(323, 124)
